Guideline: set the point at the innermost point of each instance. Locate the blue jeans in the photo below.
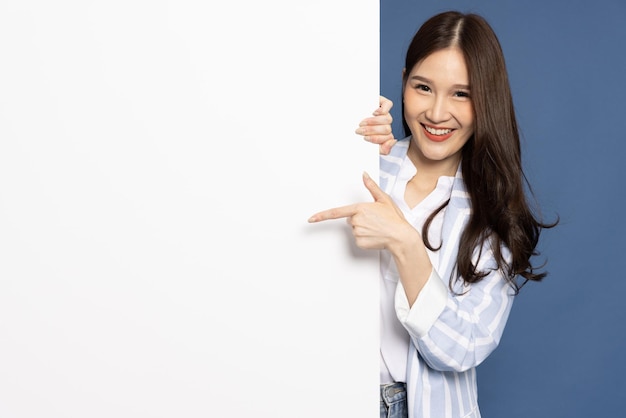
(393, 401)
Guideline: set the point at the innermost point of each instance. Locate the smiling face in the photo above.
(438, 110)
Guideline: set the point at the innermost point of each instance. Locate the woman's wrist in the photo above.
(406, 244)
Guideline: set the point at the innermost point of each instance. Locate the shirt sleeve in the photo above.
(456, 332)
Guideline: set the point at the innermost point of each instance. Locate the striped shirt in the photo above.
(445, 334)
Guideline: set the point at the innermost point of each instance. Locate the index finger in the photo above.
(334, 213)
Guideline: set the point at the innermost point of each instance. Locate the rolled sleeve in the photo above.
(430, 303)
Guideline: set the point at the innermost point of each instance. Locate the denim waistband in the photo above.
(393, 392)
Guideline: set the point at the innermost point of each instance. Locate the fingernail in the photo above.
(360, 131)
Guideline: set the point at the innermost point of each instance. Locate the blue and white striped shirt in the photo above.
(448, 333)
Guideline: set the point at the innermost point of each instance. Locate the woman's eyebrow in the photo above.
(420, 78)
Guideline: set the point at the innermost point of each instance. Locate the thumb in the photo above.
(373, 188)
(385, 105)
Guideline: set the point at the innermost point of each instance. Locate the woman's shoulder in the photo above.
(400, 148)
(390, 163)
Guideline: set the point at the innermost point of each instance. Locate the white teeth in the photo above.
(437, 131)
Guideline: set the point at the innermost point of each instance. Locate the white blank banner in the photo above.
(158, 163)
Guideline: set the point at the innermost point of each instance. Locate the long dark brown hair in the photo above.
(491, 158)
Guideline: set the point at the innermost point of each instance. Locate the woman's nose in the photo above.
(438, 110)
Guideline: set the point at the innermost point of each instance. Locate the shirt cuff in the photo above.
(431, 301)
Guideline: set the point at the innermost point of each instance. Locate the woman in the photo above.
(451, 216)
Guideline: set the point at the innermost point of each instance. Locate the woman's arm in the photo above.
(457, 332)
(381, 225)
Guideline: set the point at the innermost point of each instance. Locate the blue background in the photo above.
(563, 353)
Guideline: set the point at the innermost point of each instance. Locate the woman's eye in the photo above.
(422, 87)
(461, 94)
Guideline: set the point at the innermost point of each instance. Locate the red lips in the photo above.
(437, 138)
